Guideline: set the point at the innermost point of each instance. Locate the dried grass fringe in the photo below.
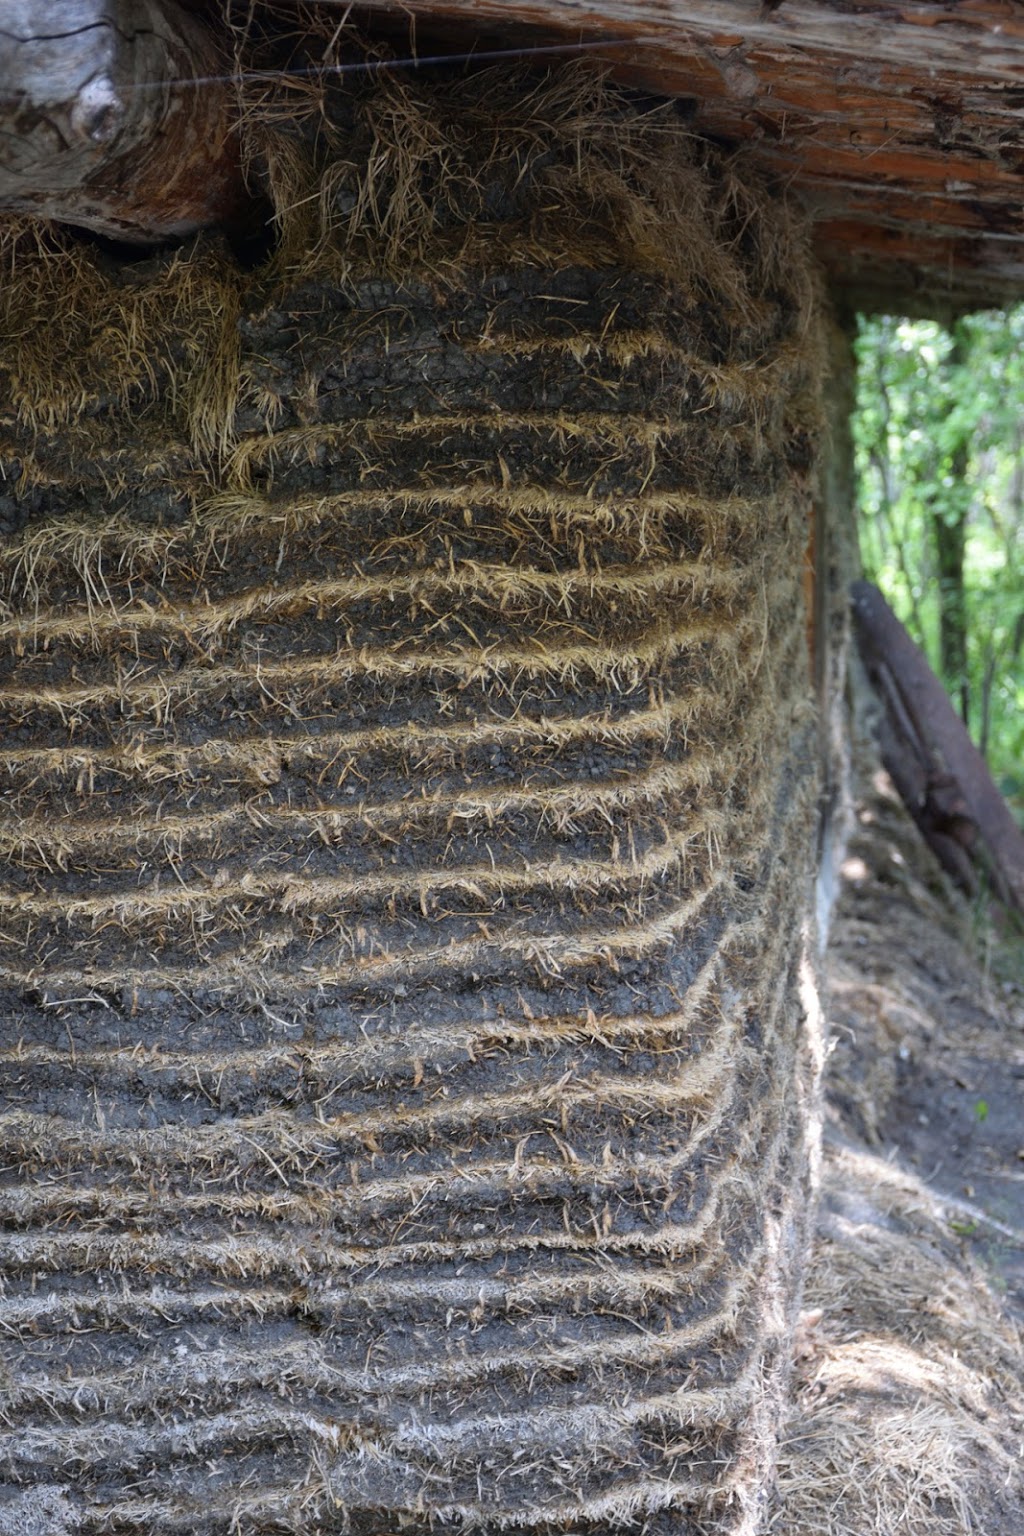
(406, 180)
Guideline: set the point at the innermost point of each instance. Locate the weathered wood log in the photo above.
(112, 117)
(938, 771)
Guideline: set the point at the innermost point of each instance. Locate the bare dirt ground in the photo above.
(927, 1017)
(909, 1387)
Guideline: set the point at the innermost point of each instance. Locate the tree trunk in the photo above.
(949, 531)
(408, 799)
(937, 769)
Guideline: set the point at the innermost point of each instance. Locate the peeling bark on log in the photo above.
(104, 122)
(938, 771)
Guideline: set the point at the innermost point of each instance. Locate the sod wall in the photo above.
(407, 775)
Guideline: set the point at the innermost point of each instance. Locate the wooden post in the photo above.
(115, 115)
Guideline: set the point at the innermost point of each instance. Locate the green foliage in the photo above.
(939, 442)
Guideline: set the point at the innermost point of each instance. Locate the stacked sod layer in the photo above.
(406, 788)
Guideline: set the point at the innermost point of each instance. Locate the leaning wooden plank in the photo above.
(110, 117)
(955, 798)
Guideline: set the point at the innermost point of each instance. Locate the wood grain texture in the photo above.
(899, 124)
(102, 125)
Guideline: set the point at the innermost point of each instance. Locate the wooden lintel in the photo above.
(900, 122)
